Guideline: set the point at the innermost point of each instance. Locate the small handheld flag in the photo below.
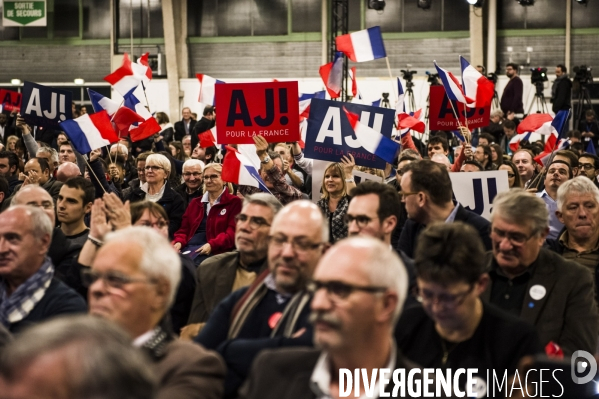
(364, 45)
(238, 169)
(124, 80)
(89, 132)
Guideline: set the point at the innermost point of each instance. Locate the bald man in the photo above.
(251, 318)
(67, 170)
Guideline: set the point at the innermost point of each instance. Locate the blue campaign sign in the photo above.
(330, 136)
(45, 106)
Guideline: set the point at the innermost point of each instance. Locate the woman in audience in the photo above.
(158, 189)
(208, 226)
(496, 155)
(336, 184)
(512, 174)
(168, 130)
(177, 151)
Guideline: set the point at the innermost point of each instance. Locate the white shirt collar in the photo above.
(451, 217)
(206, 200)
(143, 338)
(320, 381)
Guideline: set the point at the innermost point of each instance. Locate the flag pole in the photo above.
(93, 173)
(391, 76)
(146, 96)
(113, 115)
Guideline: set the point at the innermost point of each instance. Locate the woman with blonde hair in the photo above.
(336, 184)
(158, 189)
(208, 225)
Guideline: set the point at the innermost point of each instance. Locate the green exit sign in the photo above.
(24, 13)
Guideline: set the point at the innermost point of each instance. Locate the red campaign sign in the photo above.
(244, 110)
(441, 115)
(10, 100)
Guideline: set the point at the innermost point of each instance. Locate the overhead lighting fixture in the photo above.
(378, 5)
(15, 82)
(585, 2)
(476, 3)
(526, 3)
(79, 81)
(424, 4)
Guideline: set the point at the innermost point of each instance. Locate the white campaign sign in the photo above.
(476, 190)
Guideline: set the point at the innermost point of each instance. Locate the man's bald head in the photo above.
(67, 170)
(38, 197)
(442, 159)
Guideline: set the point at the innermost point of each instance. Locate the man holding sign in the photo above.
(426, 191)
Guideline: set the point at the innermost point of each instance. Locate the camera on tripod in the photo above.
(433, 78)
(539, 75)
(582, 74)
(408, 75)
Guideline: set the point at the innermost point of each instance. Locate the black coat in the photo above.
(173, 205)
(411, 230)
(180, 129)
(563, 93)
(200, 127)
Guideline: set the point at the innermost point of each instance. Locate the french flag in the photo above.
(364, 45)
(354, 83)
(142, 68)
(133, 103)
(515, 141)
(100, 103)
(332, 75)
(371, 140)
(544, 157)
(90, 132)
(414, 121)
(146, 129)
(400, 105)
(124, 80)
(452, 86)
(208, 138)
(306, 99)
(238, 169)
(207, 88)
(476, 85)
(537, 123)
(376, 103)
(557, 129)
(124, 118)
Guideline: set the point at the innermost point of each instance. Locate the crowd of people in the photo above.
(137, 271)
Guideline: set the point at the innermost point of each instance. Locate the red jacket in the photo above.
(220, 226)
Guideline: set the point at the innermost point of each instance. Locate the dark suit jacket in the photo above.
(214, 282)
(180, 129)
(567, 314)
(285, 373)
(511, 99)
(411, 230)
(187, 370)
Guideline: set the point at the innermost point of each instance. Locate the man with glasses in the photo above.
(558, 172)
(273, 311)
(354, 310)
(29, 292)
(132, 282)
(192, 181)
(426, 192)
(454, 328)
(222, 274)
(551, 293)
(589, 167)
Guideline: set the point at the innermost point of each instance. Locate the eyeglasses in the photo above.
(586, 166)
(146, 223)
(361, 220)
(447, 300)
(141, 170)
(194, 174)
(404, 194)
(516, 239)
(336, 290)
(298, 245)
(255, 221)
(154, 168)
(211, 177)
(111, 279)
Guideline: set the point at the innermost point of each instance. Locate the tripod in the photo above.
(538, 100)
(495, 100)
(385, 101)
(583, 99)
(410, 96)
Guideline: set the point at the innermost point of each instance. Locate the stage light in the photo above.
(15, 82)
(476, 3)
(526, 3)
(424, 4)
(79, 81)
(378, 5)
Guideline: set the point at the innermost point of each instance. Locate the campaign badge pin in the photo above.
(223, 212)
(537, 292)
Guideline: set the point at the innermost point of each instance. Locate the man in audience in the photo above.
(66, 153)
(551, 293)
(578, 210)
(49, 154)
(185, 125)
(511, 99)
(589, 167)
(354, 310)
(38, 172)
(29, 293)
(9, 169)
(558, 172)
(509, 131)
(454, 328)
(67, 170)
(222, 274)
(426, 190)
(495, 127)
(192, 181)
(273, 311)
(293, 176)
(207, 122)
(132, 282)
(524, 161)
(471, 165)
(74, 357)
(74, 203)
